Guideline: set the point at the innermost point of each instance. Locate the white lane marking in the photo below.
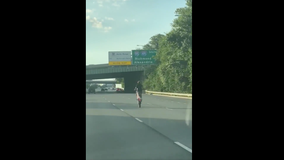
(184, 147)
(108, 101)
(138, 120)
(113, 104)
(121, 109)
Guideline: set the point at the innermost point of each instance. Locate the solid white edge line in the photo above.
(184, 147)
(138, 120)
(121, 109)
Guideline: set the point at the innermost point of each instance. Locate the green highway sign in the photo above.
(143, 57)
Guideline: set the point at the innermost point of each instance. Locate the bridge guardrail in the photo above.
(169, 94)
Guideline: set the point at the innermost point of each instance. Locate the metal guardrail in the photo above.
(169, 94)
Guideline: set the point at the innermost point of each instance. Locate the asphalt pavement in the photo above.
(117, 129)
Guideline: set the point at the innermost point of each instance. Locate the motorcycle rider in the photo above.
(139, 87)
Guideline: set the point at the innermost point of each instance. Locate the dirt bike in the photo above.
(139, 99)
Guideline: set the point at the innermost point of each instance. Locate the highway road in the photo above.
(117, 129)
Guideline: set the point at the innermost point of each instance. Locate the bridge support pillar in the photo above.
(130, 81)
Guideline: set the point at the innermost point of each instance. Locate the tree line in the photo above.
(173, 69)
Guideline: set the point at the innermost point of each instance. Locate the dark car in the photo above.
(92, 89)
(103, 89)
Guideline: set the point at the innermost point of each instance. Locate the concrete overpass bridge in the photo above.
(101, 81)
(131, 74)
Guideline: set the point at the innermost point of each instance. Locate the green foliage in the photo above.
(173, 71)
(120, 81)
(89, 85)
(93, 86)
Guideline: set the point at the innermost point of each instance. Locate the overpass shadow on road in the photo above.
(109, 93)
(129, 104)
(101, 105)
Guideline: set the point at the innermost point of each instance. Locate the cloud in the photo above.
(100, 2)
(109, 18)
(126, 20)
(106, 29)
(88, 11)
(96, 23)
(116, 4)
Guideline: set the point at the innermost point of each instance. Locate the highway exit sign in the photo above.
(143, 57)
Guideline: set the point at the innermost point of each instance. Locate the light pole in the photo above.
(141, 46)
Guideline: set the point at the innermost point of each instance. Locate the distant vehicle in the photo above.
(119, 90)
(118, 85)
(104, 89)
(92, 89)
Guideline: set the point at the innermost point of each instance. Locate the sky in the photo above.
(121, 25)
